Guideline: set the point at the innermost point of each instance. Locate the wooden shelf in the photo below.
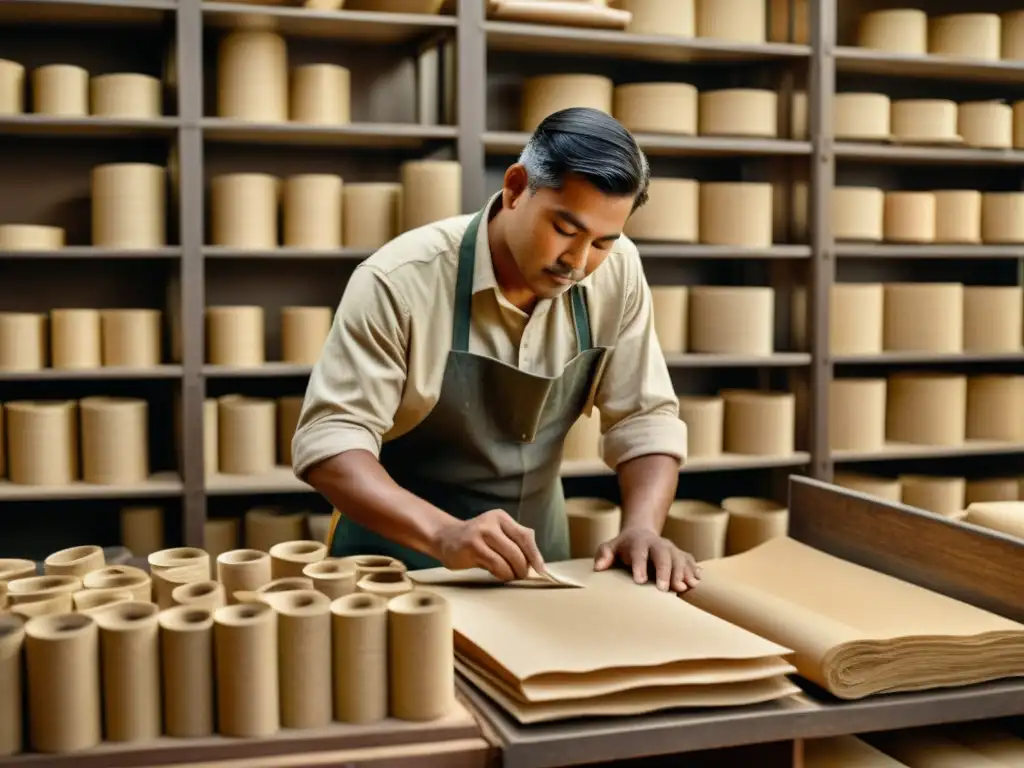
(160, 485)
(865, 60)
(76, 127)
(512, 142)
(89, 374)
(775, 360)
(891, 251)
(939, 155)
(897, 451)
(136, 12)
(344, 254)
(90, 252)
(724, 463)
(912, 358)
(684, 251)
(265, 371)
(278, 480)
(356, 135)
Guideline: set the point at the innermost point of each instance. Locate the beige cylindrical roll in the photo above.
(738, 21)
(321, 95)
(1002, 217)
(303, 332)
(220, 535)
(670, 316)
(698, 528)
(127, 96)
(421, 652)
(312, 211)
(289, 584)
(30, 237)
(718, 225)
(736, 320)
(115, 440)
(993, 318)
(1012, 38)
(23, 342)
(856, 318)
(986, 124)
(926, 409)
(200, 594)
(672, 18)
(386, 584)
(95, 600)
(941, 495)
(369, 564)
(798, 123)
(121, 578)
(211, 439)
(583, 443)
(75, 339)
(360, 658)
(924, 317)
(545, 94)
(247, 438)
(965, 36)
(371, 214)
(861, 117)
(592, 522)
(431, 191)
(42, 442)
(129, 206)
(332, 577)
(958, 216)
(897, 30)
(32, 589)
(13, 568)
(924, 121)
(246, 663)
(12, 88)
(752, 522)
(1003, 516)
(12, 640)
(858, 214)
(657, 107)
(131, 337)
(62, 662)
(288, 411)
(909, 217)
(670, 214)
(739, 112)
(991, 489)
(252, 76)
(885, 488)
(75, 561)
(759, 423)
(243, 570)
(267, 526)
(60, 90)
(857, 414)
(170, 568)
(186, 649)
(704, 418)
(235, 336)
(243, 210)
(130, 664)
(289, 558)
(995, 408)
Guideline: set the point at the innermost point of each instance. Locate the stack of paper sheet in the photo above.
(598, 644)
(857, 632)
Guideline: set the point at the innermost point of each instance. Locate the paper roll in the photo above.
(289, 558)
(858, 213)
(130, 664)
(759, 423)
(965, 36)
(360, 658)
(288, 411)
(1006, 517)
(243, 210)
(698, 528)
(371, 214)
(252, 76)
(246, 661)
(127, 96)
(583, 443)
(220, 535)
(95, 600)
(304, 652)
(303, 333)
(312, 211)
(62, 663)
(12, 88)
(986, 124)
(247, 438)
(1002, 217)
(856, 410)
(704, 418)
(995, 408)
(657, 107)
(131, 337)
(752, 522)
(732, 320)
(170, 568)
(544, 95)
(74, 561)
(115, 440)
(287, 584)
(12, 568)
(33, 589)
(926, 409)
(321, 95)
(267, 526)
(856, 319)
(366, 565)
(670, 317)
(672, 18)
(718, 225)
(924, 121)
(923, 317)
(941, 495)
(1012, 38)
(387, 584)
(991, 489)
(121, 578)
(332, 577)
(60, 90)
(739, 112)
(243, 570)
(670, 213)
(129, 206)
(898, 30)
(592, 522)
(200, 594)
(909, 217)
(431, 191)
(880, 487)
(738, 21)
(42, 442)
(861, 117)
(993, 318)
(958, 216)
(12, 640)
(23, 342)
(186, 650)
(211, 438)
(30, 237)
(75, 339)
(235, 336)
(421, 657)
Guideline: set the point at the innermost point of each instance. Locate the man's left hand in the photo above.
(643, 549)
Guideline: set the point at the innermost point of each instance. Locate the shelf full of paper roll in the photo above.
(322, 212)
(236, 335)
(978, 36)
(245, 646)
(715, 319)
(249, 435)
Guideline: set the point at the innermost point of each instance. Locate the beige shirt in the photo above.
(380, 371)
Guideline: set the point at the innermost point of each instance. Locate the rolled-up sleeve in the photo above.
(638, 404)
(356, 385)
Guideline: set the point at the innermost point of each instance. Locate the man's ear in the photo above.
(516, 185)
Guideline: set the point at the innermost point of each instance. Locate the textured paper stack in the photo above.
(554, 653)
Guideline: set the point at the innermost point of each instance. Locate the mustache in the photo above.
(567, 272)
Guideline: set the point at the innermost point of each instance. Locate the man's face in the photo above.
(558, 237)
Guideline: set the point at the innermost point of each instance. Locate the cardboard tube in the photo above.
(858, 214)
(60, 90)
(926, 409)
(115, 440)
(941, 495)
(1002, 216)
(289, 558)
(121, 578)
(93, 600)
(130, 648)
(368, 564)
(247, 439)
(899, 30)
(127, 96)
(421, 656)
(735, 320)
(698, 528)
(995, 408)
(924, 317)
(738, 21)
(211, 436)
(42, 442)
(131, 337)
(985, 124)
(220, 535)
(303, 333)
(311, 205)
(991, 489)
(857, 414)
(32, 589)
(909, 217)
(544, 95)
(287, 584)
(252, 76)
(965, 36)
(243, 210)
(670, 215)
(958, 216)
(15, 568)
(592, 522)
(12, 88)
(30, 237)
(752, 522)
(862, 117)
(321, 95)
(75, 339)
(246, 660)
(22, 341)
(129, 206)
(75, 561)
(267, 526)
(243, 570)
(288, 411)
(200, 594)
(881, 487)
(759, 423)
(387, 584)
(12, 640)
(719, 227)
(657, 107)
(371, 214)
(235, 336)
(993, 318)
(856, 319)
(670, 316)
(360, 658)
(63, 664)
(186, 649)
(704, 418)
(739, 112)
(672, 18)
(431, 191)
(332, 577)
(1005, 516)
(173, 567)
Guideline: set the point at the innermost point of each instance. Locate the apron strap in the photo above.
(581, 318)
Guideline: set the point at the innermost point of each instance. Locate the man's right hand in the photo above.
(492, 541)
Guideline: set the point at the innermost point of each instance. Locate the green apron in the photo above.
(494, 439)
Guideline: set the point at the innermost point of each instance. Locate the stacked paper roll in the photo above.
(1012, 42)
(12, 640)
(705, 419)
(289, 558)
(880, 487)
(856, 319)
(42, 442)
(739, 112)
(252, 76)
(965, 36)
(1002, 217)
(243, 570)
(131, 337)
(924, 121)
(267, 526)
(431, 191)
(360, 658)
(234, 336)
(698, 528)
(924, 317)
(74, 561)
(321, 95)
(129, 206)
(23, 344)
(387, 584)
(130, 665)
(657, 107)
(670, 317)
(986, 124)
(752, 522)
(941, 495)
(857, 414)
(115, 440)
(958, 216)
(670, 214)
(75, 339)
(732, 320)
(30, 237)
(995, 408)
(243, 208)
(719, 227)
(371, 214)
(421, 675)
(673, 18)
(583, 443)
(12, 88)
(247, 437)
(126, 96)
(909, 217)
(862, 117)
(288, 411)
(332, 577)
(898, 30)
(546, 94)
(312, 211)
(174, 567)
(303, 332)
(738, 21)
(246, 653)
(993, 318)
(592, 522)
(186, 647)
(60, 90)
(759, 423)
(926, 409)
(992, 489)
(858, 213)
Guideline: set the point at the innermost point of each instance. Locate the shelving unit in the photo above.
(446, 87)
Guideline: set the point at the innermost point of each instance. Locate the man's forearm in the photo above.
(356, 483)
(648, 486)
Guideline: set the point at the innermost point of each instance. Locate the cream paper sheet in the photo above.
(845, 752)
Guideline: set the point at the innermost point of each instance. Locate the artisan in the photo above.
(463, 351)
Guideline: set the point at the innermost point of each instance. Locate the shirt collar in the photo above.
(483, 268)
